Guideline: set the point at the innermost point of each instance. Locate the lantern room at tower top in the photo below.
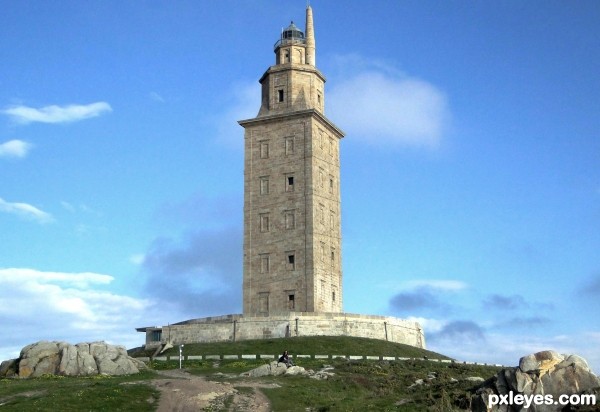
(290, 35)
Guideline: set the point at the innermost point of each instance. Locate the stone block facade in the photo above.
(292, 224)
(231, 328)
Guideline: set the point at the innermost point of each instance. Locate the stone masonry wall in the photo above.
(238, 327)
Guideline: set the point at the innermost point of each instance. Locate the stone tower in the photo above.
(292, 225)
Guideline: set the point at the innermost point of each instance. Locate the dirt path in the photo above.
(183, 392)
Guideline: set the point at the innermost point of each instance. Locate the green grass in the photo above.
(357, 385)
(303, 345)
(99, 393)
(379, 386)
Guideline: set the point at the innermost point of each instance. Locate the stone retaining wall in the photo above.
(238, 327)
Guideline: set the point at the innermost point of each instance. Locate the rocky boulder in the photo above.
(61, 358)
(542, 373)
(275, 369)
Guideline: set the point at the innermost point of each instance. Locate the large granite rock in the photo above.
(61, 358)
(542, 373)
(275, 369)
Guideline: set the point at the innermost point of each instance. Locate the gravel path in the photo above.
(183, 392)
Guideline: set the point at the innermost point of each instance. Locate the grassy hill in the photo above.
(357, 385)
(301, 345)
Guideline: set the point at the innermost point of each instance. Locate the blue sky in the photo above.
(470, 168)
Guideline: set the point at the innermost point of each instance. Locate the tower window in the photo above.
(264, 222)
(333, 296)
(263, 302)
(280, 95)
(289, 187)
(264, 263)
(290, 219)
(291, 302)
(264, 150)
(156, 335)
(291, 261)
(289, 146)
(264, 185)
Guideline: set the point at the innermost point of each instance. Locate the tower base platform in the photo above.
(238, 327)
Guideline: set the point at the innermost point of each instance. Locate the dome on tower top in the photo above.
(291, 34)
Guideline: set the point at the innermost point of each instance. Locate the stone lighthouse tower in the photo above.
(292, 226)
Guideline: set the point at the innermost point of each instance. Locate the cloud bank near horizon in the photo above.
(73, 307)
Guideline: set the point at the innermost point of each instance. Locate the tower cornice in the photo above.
(293, 115)
(291, 66)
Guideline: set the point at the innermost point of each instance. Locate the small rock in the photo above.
(475, 379)
(417, 383)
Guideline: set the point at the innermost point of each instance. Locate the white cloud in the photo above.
(156, 97)
(380, 105)
(15, 148)
(26, 211)
(507, 349)
(38, 305)
(429, 284)
(57, 114)
(453, 285)
(69, 207)
(137, 259)
(245, 105)
(429, 325)
(78, 280)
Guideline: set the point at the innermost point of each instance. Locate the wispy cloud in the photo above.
(57, 114)
(15, 148)
(25, 211)
(450, 285)
(505, 302)
(65, 306)
(429, 295)
(464, 330)
(415, 300)
(137, 259)
(380, 105)
(199, 272)
(156, 97)
(592, 287)
(244, 104)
